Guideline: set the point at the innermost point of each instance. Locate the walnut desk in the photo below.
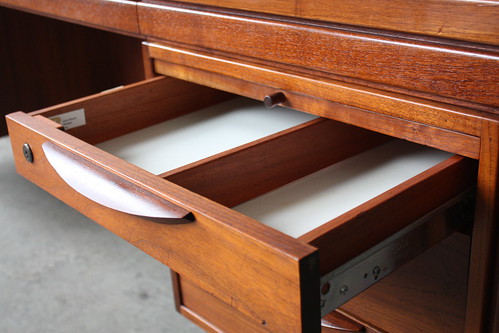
(373, 71)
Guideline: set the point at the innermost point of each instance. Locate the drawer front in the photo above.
(429, 69)
(209, 312)
(447, 19)
(215, 316)
(119, 16)
(232, 256)
(397, 115)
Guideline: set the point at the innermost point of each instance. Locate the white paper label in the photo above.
(70, 119)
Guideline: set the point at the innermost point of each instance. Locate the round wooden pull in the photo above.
(273, 100)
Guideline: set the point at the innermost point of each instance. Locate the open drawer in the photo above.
(228, 219)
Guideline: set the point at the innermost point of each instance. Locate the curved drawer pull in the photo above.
(110, 190)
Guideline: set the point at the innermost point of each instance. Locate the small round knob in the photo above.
(273, 100)
(28, 154)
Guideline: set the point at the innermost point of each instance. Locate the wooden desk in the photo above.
(426, 73)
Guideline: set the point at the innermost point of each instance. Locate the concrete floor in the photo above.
(61, 272)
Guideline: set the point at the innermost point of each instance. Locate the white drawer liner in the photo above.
(298, 207)
(309, 202)
(201, 134)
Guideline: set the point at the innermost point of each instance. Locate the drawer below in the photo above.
(439, 275)
(180, 213)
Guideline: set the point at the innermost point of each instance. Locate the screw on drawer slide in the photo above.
(355, 276)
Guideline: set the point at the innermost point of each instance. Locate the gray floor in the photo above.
(61, 272)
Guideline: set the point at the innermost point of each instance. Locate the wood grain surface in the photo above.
(481, 286)
(243, 173)
(395, 116)
(424, 71)
(118, 16)
(389, 212)
(45, 62)
(438, 69)
(211, 313)
(122, 110)
(237, 259)
(464, 20)
(426, 295)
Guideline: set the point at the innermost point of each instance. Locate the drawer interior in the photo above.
(289, 170)
(302, 175)
(286, 169)
(337, 187)
(201, 134)
(313, 200)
